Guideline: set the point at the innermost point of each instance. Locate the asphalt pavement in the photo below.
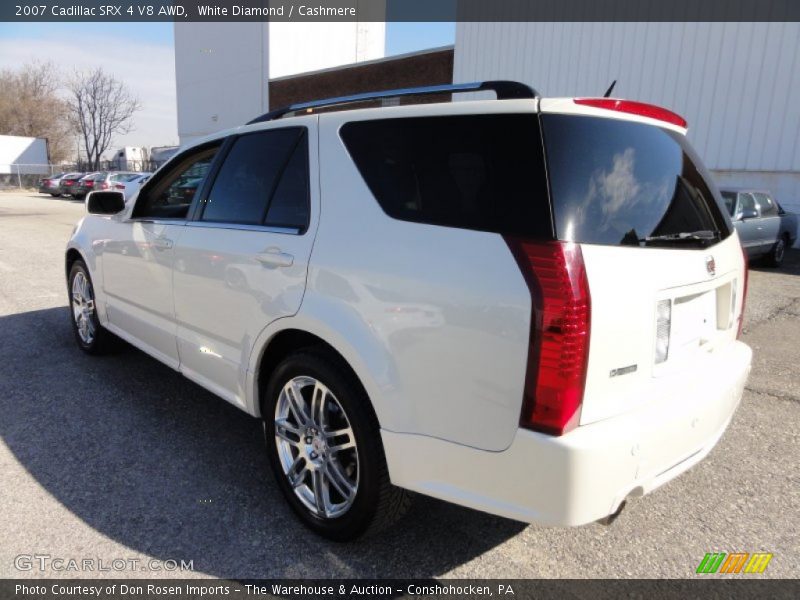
(121, 458)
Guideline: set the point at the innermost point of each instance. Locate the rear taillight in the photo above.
(103, 186)
(119, 186)
(635, 108)
(89, 183)
(744, 292)
(558, 348)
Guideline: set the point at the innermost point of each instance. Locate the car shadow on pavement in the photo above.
(158, 464)
(790, 266)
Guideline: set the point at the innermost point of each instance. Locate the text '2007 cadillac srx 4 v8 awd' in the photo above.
(526, 306)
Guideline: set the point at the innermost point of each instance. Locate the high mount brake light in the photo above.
(635, 108)
(558, 349)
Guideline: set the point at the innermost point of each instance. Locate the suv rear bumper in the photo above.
(585, 475)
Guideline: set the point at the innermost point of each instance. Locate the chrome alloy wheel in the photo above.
(83, 307)
(316, 447)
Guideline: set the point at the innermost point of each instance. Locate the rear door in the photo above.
(664, 269)
(750, 229)
(770, 221)
(241, 262)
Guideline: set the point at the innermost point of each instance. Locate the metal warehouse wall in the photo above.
(737, 84)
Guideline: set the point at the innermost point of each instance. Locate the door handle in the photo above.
(274, 257)
(162, 243)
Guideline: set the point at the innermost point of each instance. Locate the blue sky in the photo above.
(142, 55)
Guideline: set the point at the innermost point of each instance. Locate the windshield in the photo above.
(618, 182)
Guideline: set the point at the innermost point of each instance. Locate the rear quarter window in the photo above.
(482, 172)
(617, 182)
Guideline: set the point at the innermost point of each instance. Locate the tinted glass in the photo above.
(729, 198)
(767, 205)
(746, 202)
(247, 179)
(482, 172)
(172, 194)
(289, 204)
(618, 182)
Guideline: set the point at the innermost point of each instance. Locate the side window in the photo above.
(250, 176)
(483, 172)
(746, 202)
(767, 205)
(289, 206)
(171, 195)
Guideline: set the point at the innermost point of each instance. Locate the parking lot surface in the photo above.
(121, 458)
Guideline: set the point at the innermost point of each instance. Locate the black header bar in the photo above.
(399, 10)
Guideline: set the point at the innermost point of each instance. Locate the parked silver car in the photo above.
(765, 229)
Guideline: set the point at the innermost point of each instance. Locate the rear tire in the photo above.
(337, 484)
(91, 336)
(778, 253)
(56, 195)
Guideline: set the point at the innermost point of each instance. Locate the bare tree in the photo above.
(30, 105)
(101, 106)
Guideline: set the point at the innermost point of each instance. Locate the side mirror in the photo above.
(105, 203)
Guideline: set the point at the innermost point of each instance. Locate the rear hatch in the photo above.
(664, 266)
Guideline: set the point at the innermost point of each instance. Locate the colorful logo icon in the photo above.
(738, 562)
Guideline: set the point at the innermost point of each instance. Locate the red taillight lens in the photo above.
(103, 186)
(744, 292)
(88, 183)
(635, 108)
(558, 349)
(119, 186)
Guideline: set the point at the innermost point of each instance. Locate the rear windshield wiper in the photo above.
(687, 236)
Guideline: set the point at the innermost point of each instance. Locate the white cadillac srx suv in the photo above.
(526, 306)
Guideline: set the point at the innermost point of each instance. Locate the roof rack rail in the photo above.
(505, 90)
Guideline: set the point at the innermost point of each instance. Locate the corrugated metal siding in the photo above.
(737, 84)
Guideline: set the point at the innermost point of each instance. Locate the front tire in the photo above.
(91, 336)
(778, 252)
(324, 447)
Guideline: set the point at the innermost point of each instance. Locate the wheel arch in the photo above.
(291, 334)
(72, 255)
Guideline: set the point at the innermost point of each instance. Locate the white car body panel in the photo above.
(586, 474)
(435, 323)
(137, 261)
(624, 330)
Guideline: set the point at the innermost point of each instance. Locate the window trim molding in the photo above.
(244, 227)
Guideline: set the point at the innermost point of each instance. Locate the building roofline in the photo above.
(365, 62)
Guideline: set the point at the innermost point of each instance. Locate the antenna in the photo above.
(610, 89)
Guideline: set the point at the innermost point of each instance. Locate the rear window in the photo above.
(618, 182)
(483, 172)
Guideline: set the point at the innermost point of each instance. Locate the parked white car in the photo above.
(130, 186)
(526, 306)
